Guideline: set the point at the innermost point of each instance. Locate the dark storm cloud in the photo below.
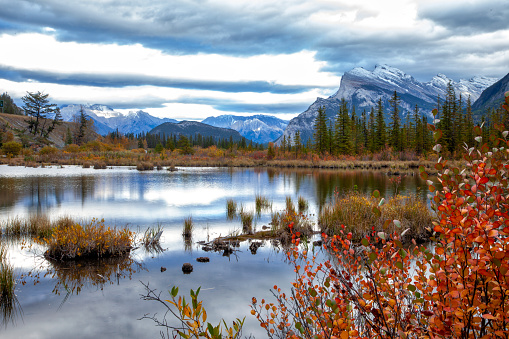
(176, 26)
(468, 17)
(121, 80)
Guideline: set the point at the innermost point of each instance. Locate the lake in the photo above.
(84, 300)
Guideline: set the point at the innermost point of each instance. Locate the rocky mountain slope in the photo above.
(491, 97)
(363, 88)
(258, 128)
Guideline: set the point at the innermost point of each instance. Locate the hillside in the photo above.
(491, 97)
(17, 125)
(192, 128)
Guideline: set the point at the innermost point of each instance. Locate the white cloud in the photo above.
(39, 52)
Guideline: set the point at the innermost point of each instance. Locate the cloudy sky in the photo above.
(189, 59)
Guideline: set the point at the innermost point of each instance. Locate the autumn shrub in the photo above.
(92, 240)
(145, 166)
(354, 210)
(11, 148)
(455, 287)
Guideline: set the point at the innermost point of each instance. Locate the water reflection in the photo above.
(124, 196)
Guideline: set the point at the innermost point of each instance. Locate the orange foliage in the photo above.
(456, 287)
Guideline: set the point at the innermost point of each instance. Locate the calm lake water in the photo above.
(92, 301)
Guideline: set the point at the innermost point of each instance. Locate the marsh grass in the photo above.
(355, 211)
(39, 226)
(290, 207)
(246, 219)
(187, 232)
(231, 209)
(9, 304)
(262, 204)
(92, 240)
(302, 204)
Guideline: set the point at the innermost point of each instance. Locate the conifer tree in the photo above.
(372, 144)
(38, 107)
(380, 126)
(343, 130)
(320, 135)
(394, 137)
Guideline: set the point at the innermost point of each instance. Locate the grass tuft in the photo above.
(247, 221)
(231, 209)
(188, 227)
(262, 203)
(355, 211)
(9, 304)
(302, 204)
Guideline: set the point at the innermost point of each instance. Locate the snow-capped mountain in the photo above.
(258, 128)
(107, 120)
(362, 89)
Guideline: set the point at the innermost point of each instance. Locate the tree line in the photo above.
(349, 134)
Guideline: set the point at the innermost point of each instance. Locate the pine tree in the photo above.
(320, 135)
(343, 130)
(380, 126)
(83, 121)
(38, 107)
(394, 137)
(297, 143)
(372, 145)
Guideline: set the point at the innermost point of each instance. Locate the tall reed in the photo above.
(302, 204)
(187, 232)
(247, 221)
(9, 304)
(262, 203)
(231, 209)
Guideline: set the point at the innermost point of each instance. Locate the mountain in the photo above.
(492, 96)
(362, 88)
(107, 120)
(258, 128)
(191, 128)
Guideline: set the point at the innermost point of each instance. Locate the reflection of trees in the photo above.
(75, 275)
(330, 181)
(40, 194)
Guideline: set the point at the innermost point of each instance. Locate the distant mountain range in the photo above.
(193, 128)
(362, 88)
(258, 128)
(359, 87)
(107, 120)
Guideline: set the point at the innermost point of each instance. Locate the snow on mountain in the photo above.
(258, 128)
(107, 120)
(362, 89)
